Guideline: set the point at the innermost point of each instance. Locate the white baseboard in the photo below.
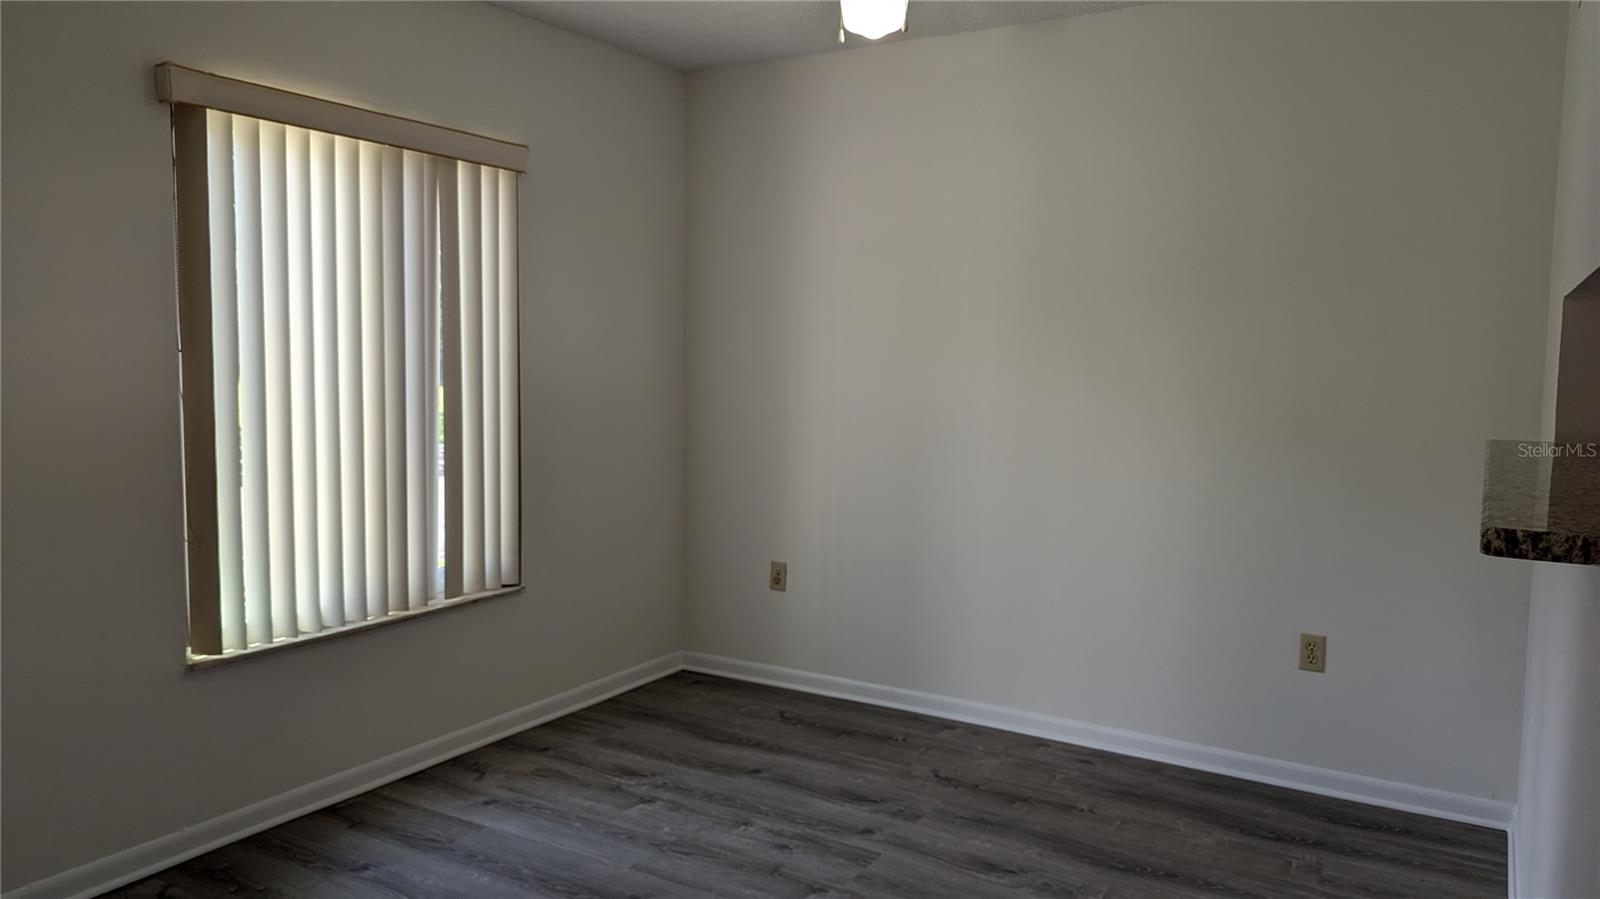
(1295, 776)
(163, 852)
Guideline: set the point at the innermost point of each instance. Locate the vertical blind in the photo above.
(363, 389)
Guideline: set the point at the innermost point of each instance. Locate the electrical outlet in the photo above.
(778, 579)
(1313, 652)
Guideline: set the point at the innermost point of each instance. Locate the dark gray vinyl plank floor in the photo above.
(702, 786)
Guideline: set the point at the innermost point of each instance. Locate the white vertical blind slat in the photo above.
(373, 407)
(225, 374)
(252, 380)
(303, 463)
(510, 446)
(394, 380)
(435, 388)
(416, 404)
(450, 372)
(347, 263)
(325, 378)
(489, 215)
(275, 346)
(471, 262)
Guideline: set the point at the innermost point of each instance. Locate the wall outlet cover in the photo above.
(1313, 652)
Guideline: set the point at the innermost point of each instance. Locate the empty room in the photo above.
(800, 448)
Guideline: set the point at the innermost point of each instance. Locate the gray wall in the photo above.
(107, 741)
(1078, 367)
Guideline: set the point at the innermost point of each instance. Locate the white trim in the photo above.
(163, 852)
(202, 662)
(181, 84)
(1511, 857)
(1293, 775)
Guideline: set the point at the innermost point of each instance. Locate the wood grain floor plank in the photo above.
(703, 786)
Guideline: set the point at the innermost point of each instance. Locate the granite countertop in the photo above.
(1541, 502)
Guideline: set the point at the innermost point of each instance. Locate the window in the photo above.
(348, 317)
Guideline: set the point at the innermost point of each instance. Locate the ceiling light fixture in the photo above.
(872, 19)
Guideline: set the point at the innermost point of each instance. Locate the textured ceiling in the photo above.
(699, 34)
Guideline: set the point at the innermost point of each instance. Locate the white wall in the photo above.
(1079, 366)
(1576, 244)
(1577, 236)
(1558, 792)
(107, 741)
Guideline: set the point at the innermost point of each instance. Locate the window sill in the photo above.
(198, 662)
